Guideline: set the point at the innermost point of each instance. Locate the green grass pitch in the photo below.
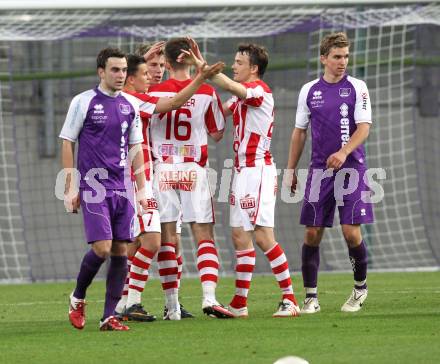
(400, 323)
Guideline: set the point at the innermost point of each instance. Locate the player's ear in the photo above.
(254, 69)
(101, 72)
(167, 65)
(323, 59)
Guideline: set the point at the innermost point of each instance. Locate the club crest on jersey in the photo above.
(152, 204)
(344, 92)
(124, 109)
(247, 202)
(98, 109)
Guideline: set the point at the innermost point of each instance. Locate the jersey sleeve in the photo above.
(74, 120)
(362, 108)
(254, 95)
(147, 103)
(214, 117)
(135, 134)
(232, 103)
(302, 112)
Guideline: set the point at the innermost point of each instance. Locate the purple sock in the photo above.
(359, 261)
(89, 267)
(310, 266)
(117, 272)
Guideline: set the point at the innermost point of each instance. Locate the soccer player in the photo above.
(180, 148)
(143, 71)
(337, 107)
(254, 186)
(106, 124)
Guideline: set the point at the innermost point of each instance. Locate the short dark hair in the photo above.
(173, 50)
(133, 62)
(106, 53)
(333, 40)
(258, 56)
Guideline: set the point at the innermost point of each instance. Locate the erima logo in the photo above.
(124, 127)
(344, 124)
(344, 92)
(363, 212)
(99, 109)
(317, 95)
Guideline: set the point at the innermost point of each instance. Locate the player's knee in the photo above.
(352, 236)
(312, 236)
(102, 251)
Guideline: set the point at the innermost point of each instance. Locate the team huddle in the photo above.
(143, 157)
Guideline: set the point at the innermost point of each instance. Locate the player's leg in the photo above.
(131, 251)
(265, 239)
(198, 209)
(353, 212)
(317, 212)
(179, 257)
(150, 240)
(245, 255)
(357, 252)
(169, 209)
(208, 266)
(98, 232)
(116, 274)
(167, 263)
(150, 244)
(310, 266)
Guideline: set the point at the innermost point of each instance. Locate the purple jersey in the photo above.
(333, 109)
(104, 127)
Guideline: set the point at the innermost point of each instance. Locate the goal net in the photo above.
(48, 56)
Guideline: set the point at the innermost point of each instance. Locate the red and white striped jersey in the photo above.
(253, 119)
(181, 135)
(145, 117)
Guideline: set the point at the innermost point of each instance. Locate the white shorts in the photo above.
(253, 196)
(183, 188)
(149, 222)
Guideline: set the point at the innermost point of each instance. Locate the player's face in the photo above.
(242, 68)
(155, 69)
(141, 79)
(336, 62)
(114, 74)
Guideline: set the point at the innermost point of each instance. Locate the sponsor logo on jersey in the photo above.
(317, 95)
(177, 180)
(124, 109)
(344, 124)
(98, 119)
(344, 92)
(168, 150)
(317, 100)
(364, 101)
(247, 202)
(98, 109)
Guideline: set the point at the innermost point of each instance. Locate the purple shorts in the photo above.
(110, 219)
(345, 189)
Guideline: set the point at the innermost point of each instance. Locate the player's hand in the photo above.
(71, 202)
(290, 180)
(195, 48)
(143, 206)
(336, 160)
(210, 71)
(188, 57)
(155, 48)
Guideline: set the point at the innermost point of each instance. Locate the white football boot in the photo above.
(287, 308)
(355, 301)
(311, 305)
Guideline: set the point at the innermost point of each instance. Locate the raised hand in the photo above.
(210, 71)
(155, 48)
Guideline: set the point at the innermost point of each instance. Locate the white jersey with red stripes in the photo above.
(145, 117)
(181, 135)
(253, 119)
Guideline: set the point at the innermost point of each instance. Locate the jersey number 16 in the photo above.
(182, 126)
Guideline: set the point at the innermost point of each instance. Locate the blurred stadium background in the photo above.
(47, 55)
